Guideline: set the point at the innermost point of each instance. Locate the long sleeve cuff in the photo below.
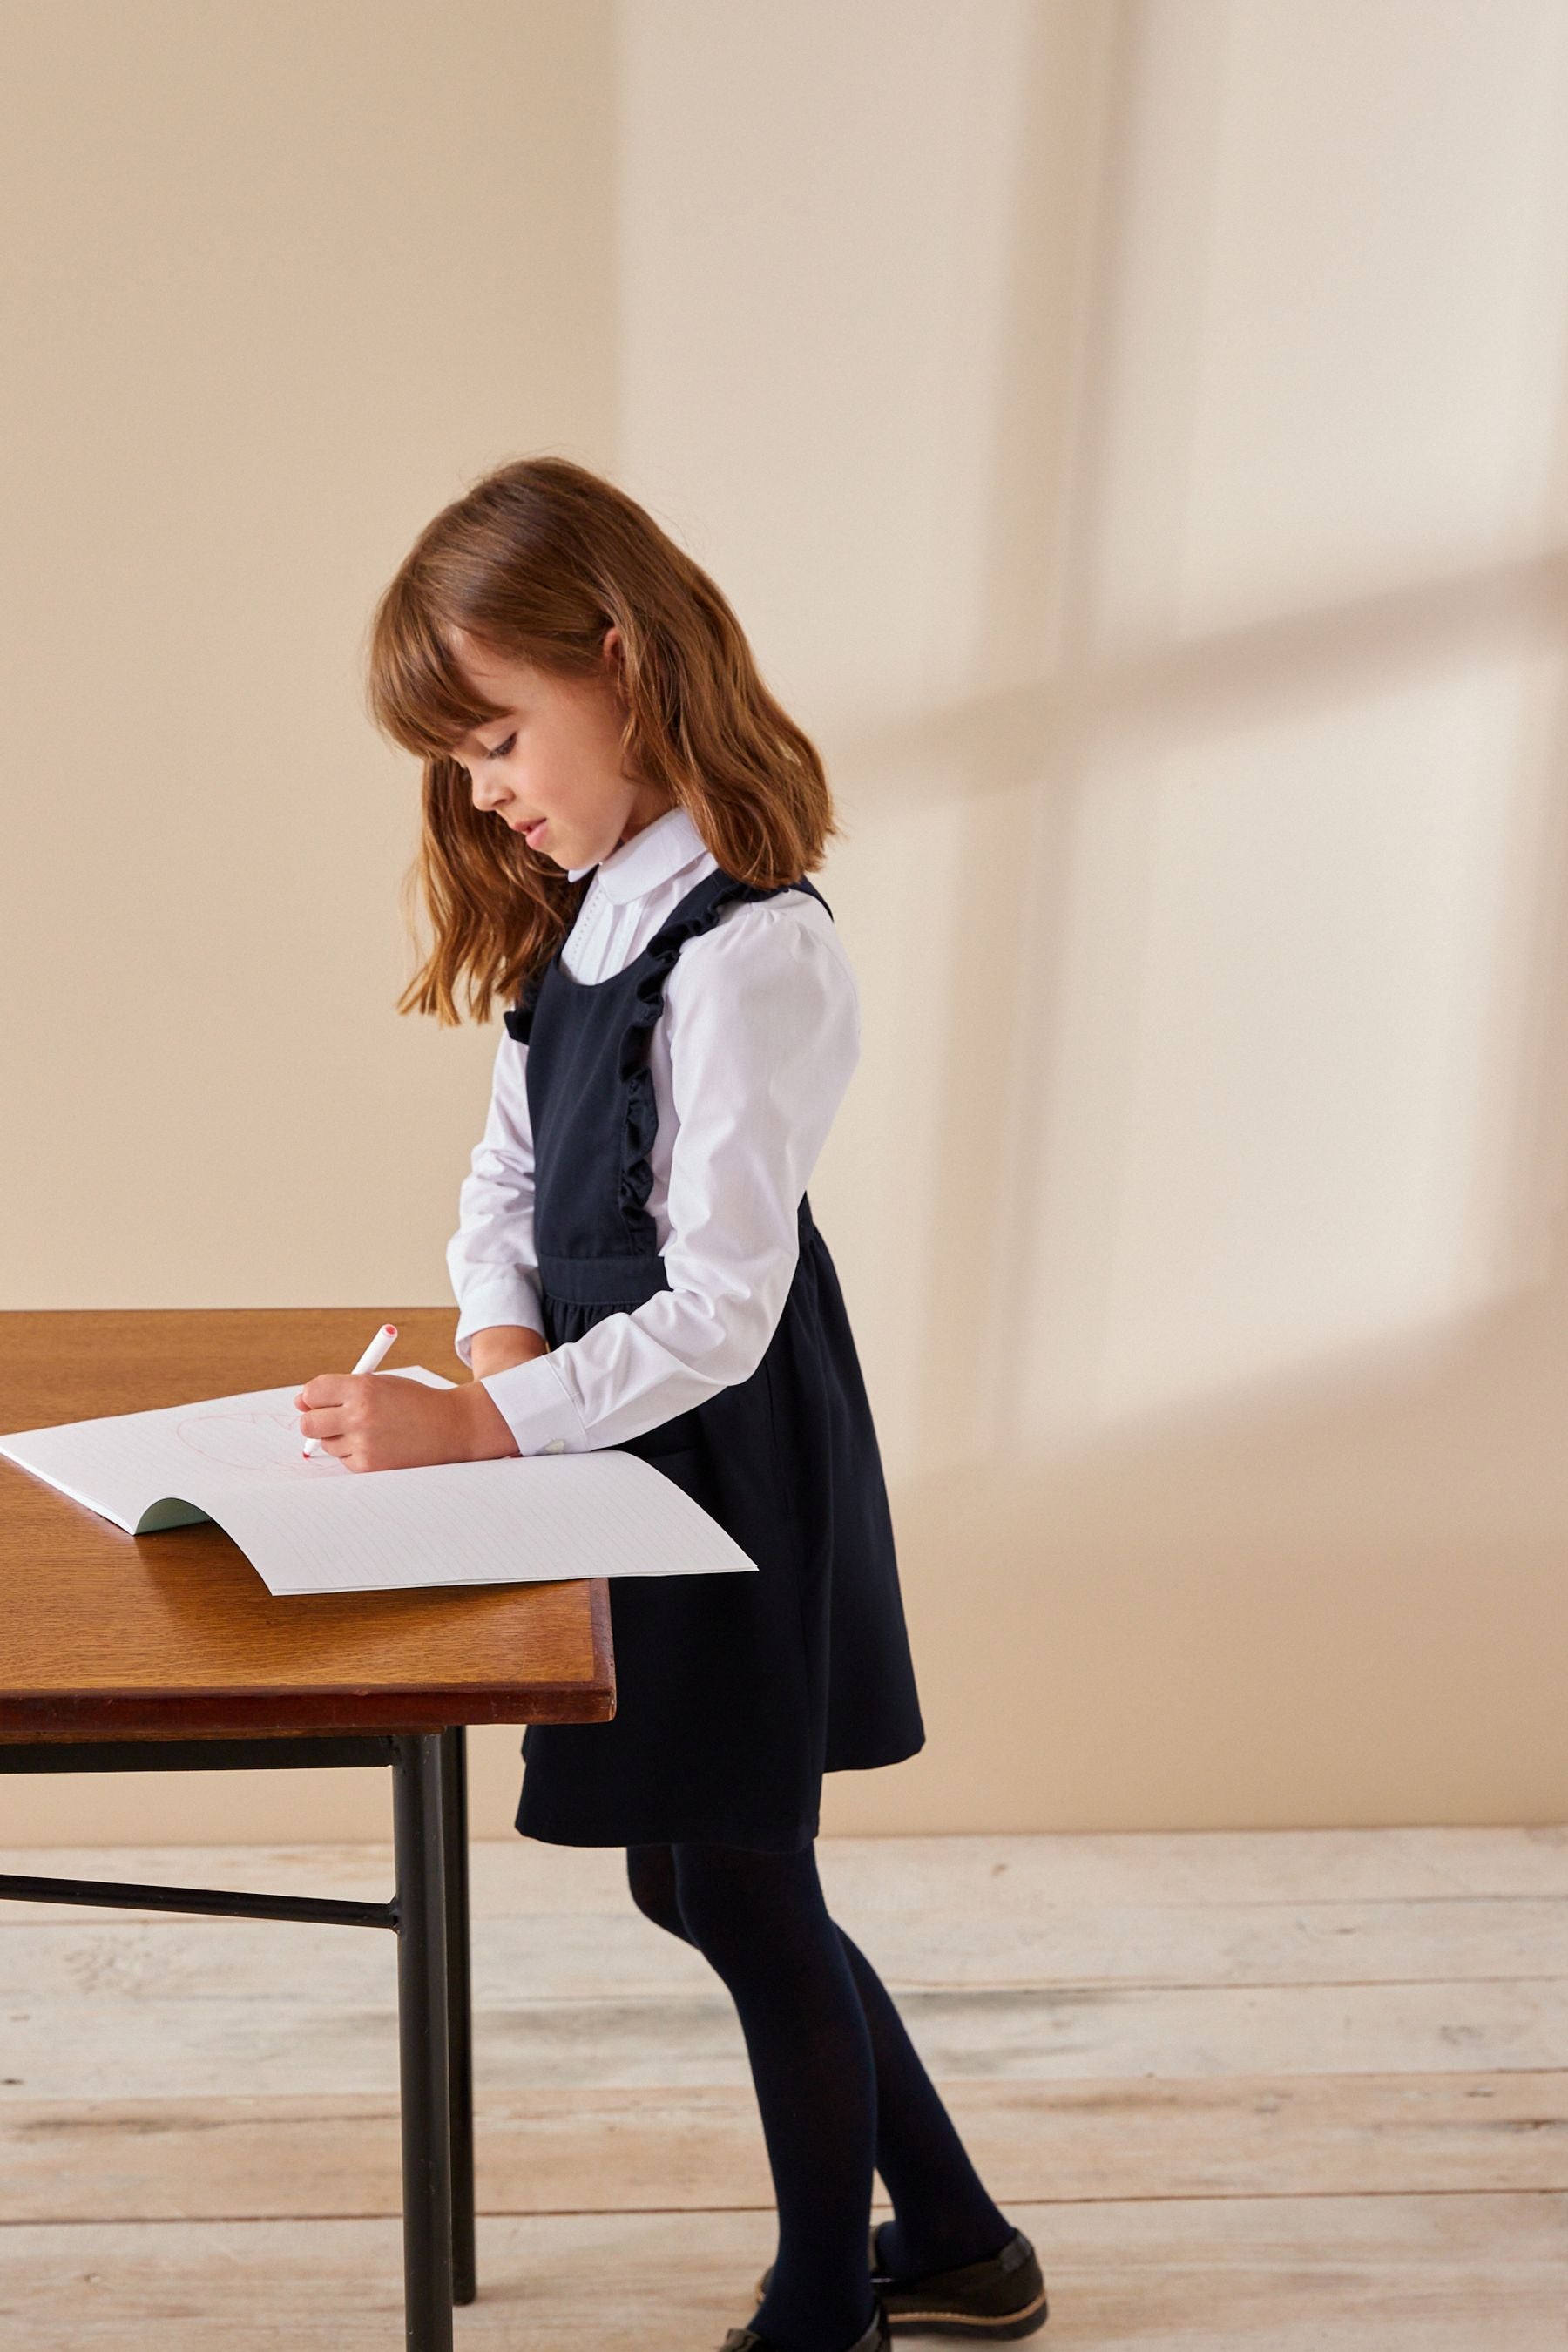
(511, 1298)
(532, 1401)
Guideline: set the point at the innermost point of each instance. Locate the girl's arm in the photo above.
(377, 1424)
(490, 1258)
(764, 1029)
(505, 1343)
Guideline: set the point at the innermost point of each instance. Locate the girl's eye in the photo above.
(499, 750)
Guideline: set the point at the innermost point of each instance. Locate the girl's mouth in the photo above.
(530, 833)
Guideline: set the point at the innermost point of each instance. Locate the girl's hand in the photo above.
(376, 1421)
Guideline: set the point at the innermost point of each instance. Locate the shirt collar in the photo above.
(649, 857)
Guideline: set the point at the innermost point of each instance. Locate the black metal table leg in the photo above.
(430, 1914)
(421, 1904)
(460, 2008)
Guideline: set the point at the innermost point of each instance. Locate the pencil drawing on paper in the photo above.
(252, 1440)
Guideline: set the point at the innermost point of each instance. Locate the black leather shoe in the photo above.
(1000, 2299)
(876, 2339)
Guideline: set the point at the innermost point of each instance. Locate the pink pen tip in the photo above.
(390, 1329)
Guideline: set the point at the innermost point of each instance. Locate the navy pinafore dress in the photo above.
(735, 1692)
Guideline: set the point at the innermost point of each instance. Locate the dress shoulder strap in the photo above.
(696, 913)
(701, 906)
(805, 883)
(698, 910)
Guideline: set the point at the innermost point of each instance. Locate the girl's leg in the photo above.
(650, 1874)
(760, 1923)
(943, 2217)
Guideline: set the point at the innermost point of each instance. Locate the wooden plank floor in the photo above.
(1269, 2091)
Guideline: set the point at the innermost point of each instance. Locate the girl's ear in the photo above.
(614, 665)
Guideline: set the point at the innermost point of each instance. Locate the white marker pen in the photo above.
(367, 1363)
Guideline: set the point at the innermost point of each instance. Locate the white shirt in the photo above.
(757, 1041)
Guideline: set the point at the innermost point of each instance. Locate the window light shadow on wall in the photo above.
(1253, 822)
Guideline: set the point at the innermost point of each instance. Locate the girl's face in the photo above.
(552, 768)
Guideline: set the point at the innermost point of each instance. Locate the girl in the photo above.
(619, 820)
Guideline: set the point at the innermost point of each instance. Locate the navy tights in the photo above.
(840, 2088)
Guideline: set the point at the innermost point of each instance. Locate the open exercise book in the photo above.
(309, 1525)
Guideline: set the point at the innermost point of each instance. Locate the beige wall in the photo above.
(1133, 437)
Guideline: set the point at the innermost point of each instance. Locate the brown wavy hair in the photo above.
(536, 561)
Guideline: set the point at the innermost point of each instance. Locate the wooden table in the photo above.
(161, 1652)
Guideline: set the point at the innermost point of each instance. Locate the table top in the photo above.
(110, 1635)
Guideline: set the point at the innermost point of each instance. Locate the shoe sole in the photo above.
(1003, 2329)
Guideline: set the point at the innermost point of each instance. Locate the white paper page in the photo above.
(309, 1525)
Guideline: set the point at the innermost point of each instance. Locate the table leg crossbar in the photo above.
(428, 1914)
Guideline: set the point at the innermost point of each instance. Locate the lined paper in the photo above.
(309, 1525)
